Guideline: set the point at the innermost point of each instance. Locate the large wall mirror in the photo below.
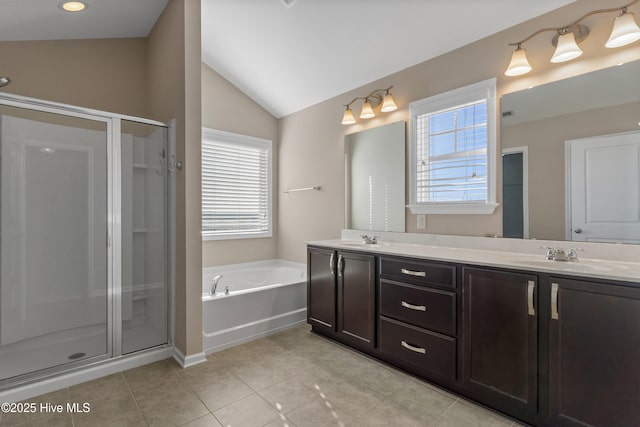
(375, 178)
(571, 158)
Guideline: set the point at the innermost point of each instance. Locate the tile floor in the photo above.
(294, 379)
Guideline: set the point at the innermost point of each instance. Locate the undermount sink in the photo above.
(362, 245)
(586, 266)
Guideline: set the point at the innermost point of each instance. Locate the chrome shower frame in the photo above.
(114, 238)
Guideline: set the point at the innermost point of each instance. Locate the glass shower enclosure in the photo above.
(83, 237)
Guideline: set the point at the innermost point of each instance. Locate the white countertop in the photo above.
(585, 267)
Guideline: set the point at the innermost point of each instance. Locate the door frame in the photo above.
(525, 185)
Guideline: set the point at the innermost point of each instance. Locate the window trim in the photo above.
(485, 89)
(249, 141)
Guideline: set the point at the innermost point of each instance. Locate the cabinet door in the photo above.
(594, 363)
(356, 299)
(321, 289)
(500, 340)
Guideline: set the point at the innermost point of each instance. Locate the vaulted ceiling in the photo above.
(290, 54)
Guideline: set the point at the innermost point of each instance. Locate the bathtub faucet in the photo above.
(214, 284)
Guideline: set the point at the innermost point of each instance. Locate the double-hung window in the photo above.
(453, 148)
(236, 186)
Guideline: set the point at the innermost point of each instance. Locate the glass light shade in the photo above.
(519, 64)
(348, 118)
(73, 6)
(567, 48)
(367, 111)
(388, 104)
(625, 31)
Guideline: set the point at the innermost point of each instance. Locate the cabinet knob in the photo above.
(578, 230)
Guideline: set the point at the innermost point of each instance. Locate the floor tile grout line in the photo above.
(134, 398)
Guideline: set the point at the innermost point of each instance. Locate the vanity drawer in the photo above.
(428, 351)
(418, 272)
(423, 307)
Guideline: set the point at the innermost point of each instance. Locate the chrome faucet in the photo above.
(369, 240)
(559, 254)
(214, 284)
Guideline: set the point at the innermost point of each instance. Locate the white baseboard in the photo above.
(190, 360)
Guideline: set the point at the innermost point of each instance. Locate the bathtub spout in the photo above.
(214, 284)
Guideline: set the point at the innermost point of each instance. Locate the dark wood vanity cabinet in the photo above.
(321, 289)
(548, 350)
(500, 340)
(356, 301)
(594, 354)
(417, 316)
(341, 295)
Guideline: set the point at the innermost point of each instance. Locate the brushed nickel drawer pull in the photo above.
(413, 273)
(412, 348)
(554, 301)
(531, 287)
(414, 307)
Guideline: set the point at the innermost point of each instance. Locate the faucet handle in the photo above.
(549, 254)
(374, 240)
(573, 255)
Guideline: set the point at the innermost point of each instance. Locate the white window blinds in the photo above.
(452, 154)
(236, 186)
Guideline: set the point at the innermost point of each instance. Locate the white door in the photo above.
(603, 188)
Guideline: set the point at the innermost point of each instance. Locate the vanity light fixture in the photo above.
(377, 97)
(625, 31)
(73, 6)
(566, 48)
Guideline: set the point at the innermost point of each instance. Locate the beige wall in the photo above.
(226, 108)
(311, 141)
(156, 77)
(174, 92)
(545, 139)
(105, 74)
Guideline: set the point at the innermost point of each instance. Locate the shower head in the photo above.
(4, 81)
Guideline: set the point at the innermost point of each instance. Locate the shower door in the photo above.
(143, 229)
(55, 305)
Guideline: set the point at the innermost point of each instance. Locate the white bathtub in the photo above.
(264, 297)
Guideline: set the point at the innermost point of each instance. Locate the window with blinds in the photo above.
(236, 186)
(452, 154)
(453, 150)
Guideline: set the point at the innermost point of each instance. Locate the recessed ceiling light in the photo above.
(73, 6)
